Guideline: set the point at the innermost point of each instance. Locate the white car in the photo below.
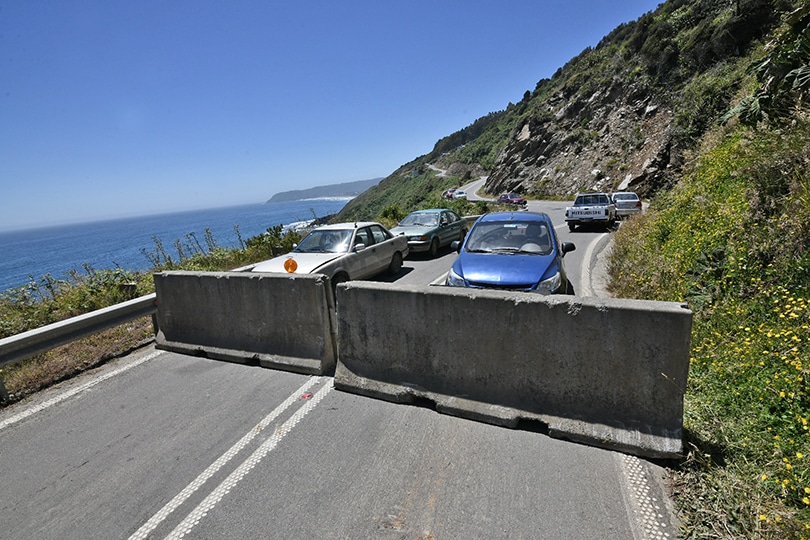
(589, 209)
(343, 252)
(459, 194)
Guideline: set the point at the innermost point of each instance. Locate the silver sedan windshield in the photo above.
(327, 241)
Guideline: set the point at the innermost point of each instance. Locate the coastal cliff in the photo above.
(347, 189)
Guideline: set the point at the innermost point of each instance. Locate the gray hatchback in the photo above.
(429, 230)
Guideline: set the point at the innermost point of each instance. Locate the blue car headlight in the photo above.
(549, 285)
(454, 280)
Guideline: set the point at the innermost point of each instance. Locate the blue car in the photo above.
(516, 251)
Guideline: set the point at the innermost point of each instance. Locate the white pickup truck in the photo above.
(588, 208)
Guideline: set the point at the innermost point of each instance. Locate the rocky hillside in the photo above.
(618, 138)
(626, 114)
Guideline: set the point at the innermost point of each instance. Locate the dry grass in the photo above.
(43, 370)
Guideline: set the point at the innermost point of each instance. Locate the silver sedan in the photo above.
(627, 203)
(343, 252)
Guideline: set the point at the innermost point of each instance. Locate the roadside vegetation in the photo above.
(732, 240)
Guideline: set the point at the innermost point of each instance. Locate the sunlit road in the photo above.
(162, 445)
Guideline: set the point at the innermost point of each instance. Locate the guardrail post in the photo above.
(4, 397)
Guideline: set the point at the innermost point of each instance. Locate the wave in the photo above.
(343, 198)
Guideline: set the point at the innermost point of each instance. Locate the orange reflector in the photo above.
(290, 265)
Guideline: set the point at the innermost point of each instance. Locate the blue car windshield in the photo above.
(510, 237)
(420, 219)
(326, 241)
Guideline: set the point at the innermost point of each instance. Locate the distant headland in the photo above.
(348, 189)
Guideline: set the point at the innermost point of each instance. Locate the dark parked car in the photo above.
(512, 251)
(512, 198)
(429, 230)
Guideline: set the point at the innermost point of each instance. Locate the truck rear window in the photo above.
(589, 200)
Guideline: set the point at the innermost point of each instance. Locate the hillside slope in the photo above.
(625, 114)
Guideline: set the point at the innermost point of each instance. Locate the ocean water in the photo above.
(31, 254)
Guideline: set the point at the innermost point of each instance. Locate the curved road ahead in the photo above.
(163, 445)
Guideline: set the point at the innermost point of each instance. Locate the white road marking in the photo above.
(70, 393)
(648, 510)
(585, 288)
(236, 476)
(181, 497)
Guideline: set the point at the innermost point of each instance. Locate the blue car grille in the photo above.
(513, 287)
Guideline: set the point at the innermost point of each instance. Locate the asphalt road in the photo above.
(163, 445)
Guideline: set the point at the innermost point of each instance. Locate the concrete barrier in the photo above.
(606, 372)
(283, 321)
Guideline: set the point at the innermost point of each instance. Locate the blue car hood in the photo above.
(503, 269)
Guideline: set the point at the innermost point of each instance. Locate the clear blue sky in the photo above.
(120, 108)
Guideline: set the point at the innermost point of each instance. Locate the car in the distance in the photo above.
(517, 251)
(449, 193)
(513, 199)
(429, 230)
(627, 203)
(459, 194)
(593, 208)
(343, 252)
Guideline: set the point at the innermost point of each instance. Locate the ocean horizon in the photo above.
(31, 254)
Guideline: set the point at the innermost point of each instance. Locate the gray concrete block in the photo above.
(281, 321)
(603, 371)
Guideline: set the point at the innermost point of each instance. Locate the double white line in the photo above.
(194, 517)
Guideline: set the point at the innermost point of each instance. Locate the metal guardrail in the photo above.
(20, 346)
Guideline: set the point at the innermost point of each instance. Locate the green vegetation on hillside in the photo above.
(732, 239)
(689, 56)
(422, 190)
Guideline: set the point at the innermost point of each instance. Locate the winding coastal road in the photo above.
(164, 445)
